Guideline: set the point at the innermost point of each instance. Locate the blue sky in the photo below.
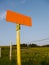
(38, 10)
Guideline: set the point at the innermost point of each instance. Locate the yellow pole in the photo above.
(18, 44)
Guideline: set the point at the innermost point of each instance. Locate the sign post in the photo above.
(18, 44)
(10, 51)
(19, 19)
(0, 52)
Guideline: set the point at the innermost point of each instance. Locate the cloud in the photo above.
(2, 15)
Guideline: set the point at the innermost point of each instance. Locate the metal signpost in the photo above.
(20, 19)
(18, 44)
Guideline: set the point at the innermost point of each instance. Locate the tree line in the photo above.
(31, 45)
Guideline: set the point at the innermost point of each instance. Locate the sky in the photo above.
(38, 10)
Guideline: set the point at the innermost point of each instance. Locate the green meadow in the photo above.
(29, 56)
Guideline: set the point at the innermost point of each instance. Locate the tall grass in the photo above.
(29, 56)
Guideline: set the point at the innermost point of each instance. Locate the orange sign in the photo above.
(18, 18)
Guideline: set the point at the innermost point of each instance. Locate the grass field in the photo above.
(29, 56)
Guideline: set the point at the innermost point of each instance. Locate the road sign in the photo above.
(18, 18)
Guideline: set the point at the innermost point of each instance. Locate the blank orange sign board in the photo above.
(18, 18)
